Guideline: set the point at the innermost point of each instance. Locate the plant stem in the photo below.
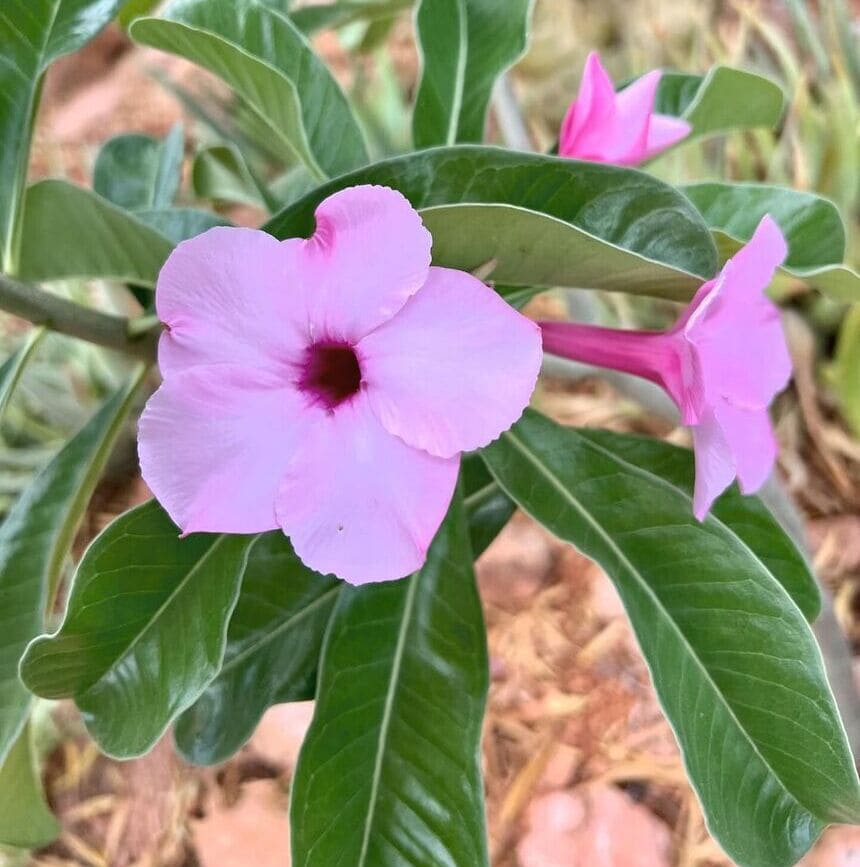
(66, 317)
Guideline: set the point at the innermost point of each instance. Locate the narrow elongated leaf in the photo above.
(465, 45)
(624, 207)
(25, 820)
(34, 540)
(33, 33)
(145, 628)
(846, 370)
(312, 18)
(221, 173)
(72, 232)
(273, 647)
(722, 100)
(812, 227)
(276, 632)
(733, 661)
(266, 60)
(13, 366)
(530, 248)
(389, 772)
(138, 172)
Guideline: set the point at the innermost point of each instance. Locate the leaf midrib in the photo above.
(625, 562)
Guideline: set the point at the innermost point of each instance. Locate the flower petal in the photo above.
(230, 296)
(214, 443)
(750, 437)
(369, 254)
(358, 502)
(736, 331)
(589, 118)
(663, 132)
(454, 368)
(633, 110)
(715, 469)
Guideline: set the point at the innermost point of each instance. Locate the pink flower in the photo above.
(328, 386)
(622, 128)
(722, 363)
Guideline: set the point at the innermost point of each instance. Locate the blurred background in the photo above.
(581, 769)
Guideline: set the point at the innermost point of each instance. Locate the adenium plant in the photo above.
(335, 421)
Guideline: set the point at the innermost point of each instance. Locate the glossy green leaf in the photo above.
(276, 631)
(309, 19)
(35, 538)
(464, 46)
(138, 172)
(846, 370)
(268, 62)
(733, 661)
(179, 224)
(389, 772)
(25, 820)
(623, 207)
(145, 628)
(273, 647)
(13, 366)
(72, 232)
(724, 99)
(220, 173)
(33, 34)
(811, 224)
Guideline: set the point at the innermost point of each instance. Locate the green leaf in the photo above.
(312, 18)
(276, 632)
(179, 224)
(846, 370)
(72, 232)
(722, 100)
(138, 172)
(221, 173)
(145, 628)
(811, 224)
(134, 9)
(260, 54)
(389, 772)
(464, 46)
(13, 367)
(623, 207)
(733, 661)
(25, 820)
(33, 33)
(35, 538)
(273, 648)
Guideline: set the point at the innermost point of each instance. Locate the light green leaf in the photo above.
(722, 100)
(309, 19)
(145, 628)
(733, 661)
(846, 370)
(25, 820)
(220, 173)
(389, 772)
(811, 224)
(138, 172)
(13, 367)
(33, 33)
(464, 45)
(269, 63)
(72, 232)
(35, 538)
(623, 207)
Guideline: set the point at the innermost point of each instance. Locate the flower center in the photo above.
(331, 373)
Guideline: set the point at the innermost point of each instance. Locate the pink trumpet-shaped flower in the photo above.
(606, 126)
(722, 363)
(328, 386)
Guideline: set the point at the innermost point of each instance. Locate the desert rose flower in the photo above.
(606, 126)
(328, 386)
(722, 363)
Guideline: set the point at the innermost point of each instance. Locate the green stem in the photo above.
(43, 308)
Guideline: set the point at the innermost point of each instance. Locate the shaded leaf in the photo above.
(179, 224)
(309, 19)
(464, 46)
(221, 173)
(623, 207)
(35, 538)
(389, 772)
(268, 62)
(145, 628)
(846, 370)
(733, 661)
(13, 366)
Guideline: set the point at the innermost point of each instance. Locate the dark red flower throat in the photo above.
(331, 373)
